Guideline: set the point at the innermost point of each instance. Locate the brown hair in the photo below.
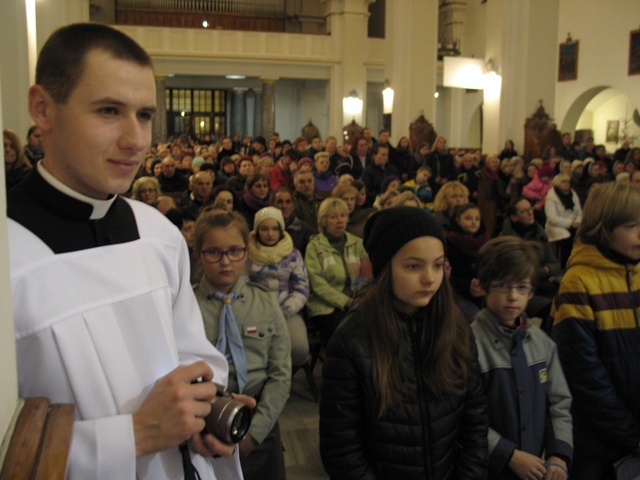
(211, 219)
(445, 342)
(508, 258)
(607, 207)
(61, 61)
(21, 158)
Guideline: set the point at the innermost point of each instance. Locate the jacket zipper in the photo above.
(421, 395)
(633, 303)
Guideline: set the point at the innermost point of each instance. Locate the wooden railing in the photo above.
(258, 15)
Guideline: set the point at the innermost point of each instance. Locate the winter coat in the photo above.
(329, 272)
(427, 437)
(536, 191)
(596, 327)
(559, 219)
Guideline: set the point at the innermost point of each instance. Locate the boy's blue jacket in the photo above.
(528, 398)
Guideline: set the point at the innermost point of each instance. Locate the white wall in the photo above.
(297, 102)
(615, 107)
(602, 27)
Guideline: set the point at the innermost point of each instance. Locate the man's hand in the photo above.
(527, 466)
(208, 445)
(175, 409)
(246, 445)
(553, 471)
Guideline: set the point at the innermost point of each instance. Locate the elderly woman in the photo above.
(337, 264)
(16, 164)
(325, 180)
(450, 195)
(146, 189)
(563, 212)
(357, 215)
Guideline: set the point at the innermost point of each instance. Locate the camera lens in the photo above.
(229, 419)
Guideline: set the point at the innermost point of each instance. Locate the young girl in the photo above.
(596, 328)
(243, 320)
(276, 264)
(465, 236)
(401, 396)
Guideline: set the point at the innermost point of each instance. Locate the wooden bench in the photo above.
(39, 447)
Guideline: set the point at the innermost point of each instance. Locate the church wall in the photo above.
(602, 28)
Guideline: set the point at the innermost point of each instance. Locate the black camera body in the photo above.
(229, 419)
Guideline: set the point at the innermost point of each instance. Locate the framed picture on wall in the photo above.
(634, 52)
(568, 61)
(612, 131)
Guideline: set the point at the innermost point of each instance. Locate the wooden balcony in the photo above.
(264, 16)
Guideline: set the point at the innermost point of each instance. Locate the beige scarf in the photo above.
(261, 254)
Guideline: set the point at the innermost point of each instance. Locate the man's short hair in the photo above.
(61, 60)
(376, 148)
(512, 208)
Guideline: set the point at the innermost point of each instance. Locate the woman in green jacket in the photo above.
(337, 264)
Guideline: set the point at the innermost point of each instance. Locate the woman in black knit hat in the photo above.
(401, 394)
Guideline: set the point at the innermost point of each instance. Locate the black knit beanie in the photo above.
(387, 231)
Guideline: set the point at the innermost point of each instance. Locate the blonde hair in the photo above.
(435, 144)
(607, 207)
(328, 204)
(406, 196)
(561, 177)
(440, 202)
(141, 182)
(344, 188)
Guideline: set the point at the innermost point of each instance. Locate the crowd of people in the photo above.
(433, 368)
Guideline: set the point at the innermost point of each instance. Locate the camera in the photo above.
(229, 419)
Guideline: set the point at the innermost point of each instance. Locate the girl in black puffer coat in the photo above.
(401, 395)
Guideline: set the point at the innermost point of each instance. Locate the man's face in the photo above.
(284, 201)
(367, 133)
(35, 139)
(168, 167)
(384, 137)
(316, 143)
(305, 184)
(382, 157)
(96, 141)
(226, 143)
(302, 146)
(246, 168)
(566, 140)
(524, 213)
(202, 184)
(330, 146)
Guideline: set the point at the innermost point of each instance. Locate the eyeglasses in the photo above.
(527, 210)
(521, 288)
(233, 254)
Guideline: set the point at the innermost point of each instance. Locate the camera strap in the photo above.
(190, 471)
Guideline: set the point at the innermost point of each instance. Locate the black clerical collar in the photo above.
(99, 208)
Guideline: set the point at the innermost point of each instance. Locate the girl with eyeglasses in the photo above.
(244, 321)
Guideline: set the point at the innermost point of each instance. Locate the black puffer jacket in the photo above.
(428, 438)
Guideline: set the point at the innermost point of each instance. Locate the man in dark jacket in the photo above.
(374, 174)
(520, 222)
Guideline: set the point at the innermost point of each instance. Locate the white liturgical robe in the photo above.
(97, 327)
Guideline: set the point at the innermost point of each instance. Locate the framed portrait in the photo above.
(568, 61)
(634, 52)
(612, 131)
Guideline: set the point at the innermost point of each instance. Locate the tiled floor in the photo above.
(299, 430)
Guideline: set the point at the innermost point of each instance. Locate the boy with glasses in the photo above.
(527, 394)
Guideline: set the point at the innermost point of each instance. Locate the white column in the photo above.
(14, 69)
(411, 33)
(347, 24)
(517, 35)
